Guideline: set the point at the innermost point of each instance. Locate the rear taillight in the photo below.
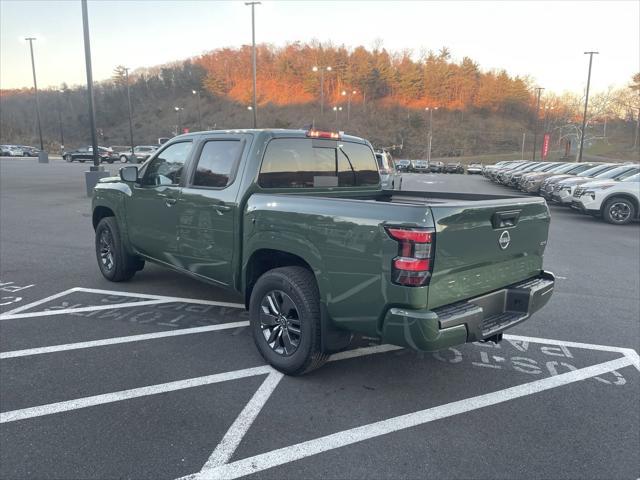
(412, 267)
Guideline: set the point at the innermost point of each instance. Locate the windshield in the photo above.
(570, 167)
(616, 172)
(592, 172)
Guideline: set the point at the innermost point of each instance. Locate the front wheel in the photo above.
(115, 263)
(68, 158)
(619, 211)
(285, 320)
(123, 159)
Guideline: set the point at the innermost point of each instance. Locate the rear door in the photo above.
(207, 208)
(486, 245)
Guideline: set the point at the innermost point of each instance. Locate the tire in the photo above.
(110, 160)
(619, 211)
(123, 159)
(286, 299)
(68, 158)
(81, 160)
(116, 265)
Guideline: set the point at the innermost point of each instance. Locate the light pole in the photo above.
(535, 127)
(197, 94)
(253, 42)
(126, 76)
(60, 120)
(35, 88)
(95, 172)
(321, 70)
(586, 104)
(87, 59)
(348, 95)
(179, 124)
(430, 110)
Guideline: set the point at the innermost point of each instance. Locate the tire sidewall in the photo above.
(277, 280)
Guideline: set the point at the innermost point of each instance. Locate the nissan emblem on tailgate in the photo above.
(504, 240)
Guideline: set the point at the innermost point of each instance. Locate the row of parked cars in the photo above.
(18, 151)
(610, 191)
(111, 154)
(423, 166)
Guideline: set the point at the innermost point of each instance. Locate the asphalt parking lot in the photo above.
(159, 378)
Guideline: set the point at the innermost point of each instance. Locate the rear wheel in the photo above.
(285, 320)
(68, 158)
(619, 211)
(123, 159)
(115, 263)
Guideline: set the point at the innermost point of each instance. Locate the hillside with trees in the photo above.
(381, 95)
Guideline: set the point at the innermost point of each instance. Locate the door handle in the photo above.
(222, 208)
(170, 202)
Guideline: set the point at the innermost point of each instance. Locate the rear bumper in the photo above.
(471, 320)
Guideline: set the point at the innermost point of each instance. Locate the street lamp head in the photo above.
(340, 108)
(335, 109)
(354, 92)
(328, 69)
(315, 69)
(249, 107)
(194, 92)
(435, 108)
(344, 92)
(177, 108)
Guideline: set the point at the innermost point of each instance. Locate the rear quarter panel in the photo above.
(345, 244)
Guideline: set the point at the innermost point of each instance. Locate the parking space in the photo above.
(159, 377)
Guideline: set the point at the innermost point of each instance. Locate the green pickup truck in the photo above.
(297, 223)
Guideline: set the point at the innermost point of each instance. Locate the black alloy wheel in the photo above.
(280, 322)
(107, 258)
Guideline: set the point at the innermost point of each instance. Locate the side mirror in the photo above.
(129, 173)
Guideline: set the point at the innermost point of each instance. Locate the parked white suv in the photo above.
(617, 202)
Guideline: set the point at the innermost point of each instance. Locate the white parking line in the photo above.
(229, 443)
(118, 340)
(85, 402)
(40, 302)
(153, 300)
(161, 297)
(93, 308)
(291, 453)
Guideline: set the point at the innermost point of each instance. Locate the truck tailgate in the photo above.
(473, 253)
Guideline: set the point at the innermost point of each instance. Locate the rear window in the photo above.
(309, 163)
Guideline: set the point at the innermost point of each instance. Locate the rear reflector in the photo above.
(411, 264)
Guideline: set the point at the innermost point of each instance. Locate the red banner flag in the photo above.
(545, 145)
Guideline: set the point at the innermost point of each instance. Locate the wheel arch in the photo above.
(264, 259)
(99, 213)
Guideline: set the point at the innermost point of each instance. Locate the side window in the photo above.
(167, 167)
(217, 163)
(300, 163)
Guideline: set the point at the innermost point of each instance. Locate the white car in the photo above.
(474, 168)
(617, 201)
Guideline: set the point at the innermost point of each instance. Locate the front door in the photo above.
(151, 209)
(207, 209)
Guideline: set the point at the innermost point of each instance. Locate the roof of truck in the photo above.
(273, 132)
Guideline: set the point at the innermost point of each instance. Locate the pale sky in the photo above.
(543, 39)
